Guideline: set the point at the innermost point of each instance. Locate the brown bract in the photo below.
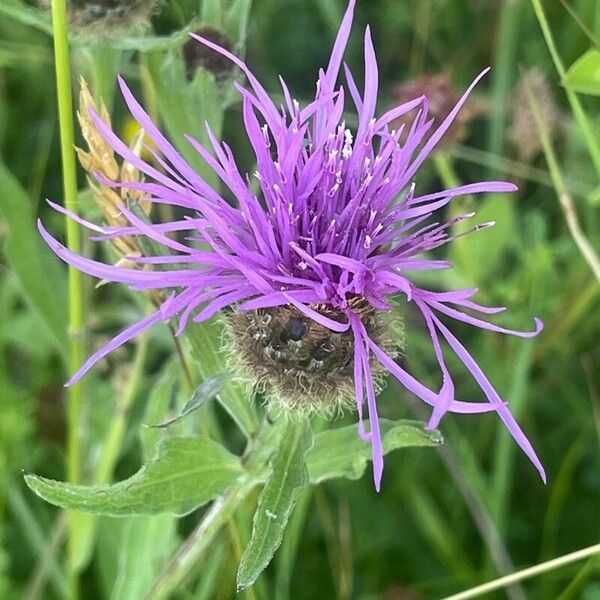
(299, 365)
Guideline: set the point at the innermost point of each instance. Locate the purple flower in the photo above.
(336, 224)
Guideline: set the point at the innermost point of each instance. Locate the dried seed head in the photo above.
(439, 90)
(523, 132)
(100, 159)
(299, 365)
(98, 17)
(197, 55)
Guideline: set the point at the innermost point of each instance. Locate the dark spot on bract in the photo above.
(320, 353)
(295, 329)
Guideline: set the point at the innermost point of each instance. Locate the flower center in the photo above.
(298, 364)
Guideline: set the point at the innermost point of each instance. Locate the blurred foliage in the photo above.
(422, 536)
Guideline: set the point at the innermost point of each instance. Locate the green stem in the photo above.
(185, 369)
(502, 74)
(445, 169)
(502, 582)
(444, 165)
(589, 135)
(585, 247)
(67, 144)
(187, 557)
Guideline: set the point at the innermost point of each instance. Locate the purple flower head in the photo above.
(337, 223)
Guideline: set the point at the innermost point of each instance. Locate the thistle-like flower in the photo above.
(305, 270)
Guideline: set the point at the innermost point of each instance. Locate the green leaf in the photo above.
(186, 106)
(41, 278)
(27, 15)
(211, 13)
(351, 454)
(188, 472)
(206, 391)
(478, 255)
(277, 499)
(165, 393)
(206, 349)
(140, 556)
(584, 74)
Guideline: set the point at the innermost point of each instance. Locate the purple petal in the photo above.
(117, 341)
(493, 396)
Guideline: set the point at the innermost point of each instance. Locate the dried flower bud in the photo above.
(299, 365)
(523, 133)
(197, 55)
(442, 96)
(100, 159)
(104, 16)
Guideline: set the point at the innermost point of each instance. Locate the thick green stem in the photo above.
(67, 144)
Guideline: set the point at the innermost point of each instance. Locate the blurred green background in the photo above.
(445, 520)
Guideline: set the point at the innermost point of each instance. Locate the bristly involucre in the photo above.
(300, 365)
(332, 236)
(101, 17)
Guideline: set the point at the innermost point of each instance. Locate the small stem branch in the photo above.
(46, 567)
(67, 144)
(501, 582)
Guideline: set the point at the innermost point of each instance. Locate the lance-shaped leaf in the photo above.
(341, 453)
(277, 499)
(41, 278)
(205, 341)
(206, 391)
(188, 472)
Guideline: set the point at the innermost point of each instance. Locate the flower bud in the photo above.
(199, 56)
(442, 97)
(523, 132)
(298, 364)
